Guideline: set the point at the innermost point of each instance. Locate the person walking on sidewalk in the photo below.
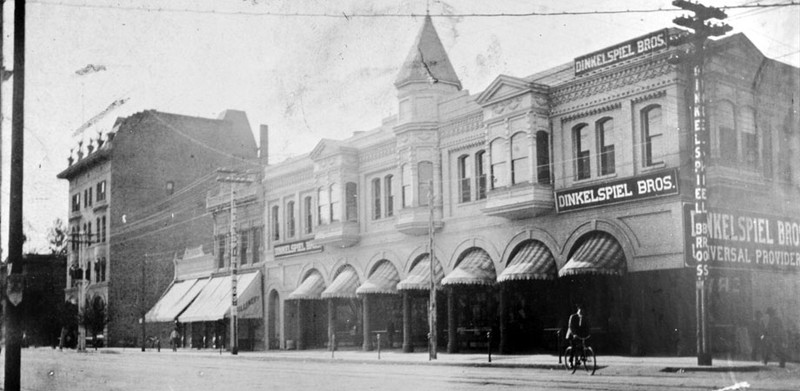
(773, 338)
(174, 339)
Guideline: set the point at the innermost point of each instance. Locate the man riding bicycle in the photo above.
(577, 327)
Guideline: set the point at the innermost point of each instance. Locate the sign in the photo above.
(742, 240)
(301, 247)
(630, 189)
(623, 51)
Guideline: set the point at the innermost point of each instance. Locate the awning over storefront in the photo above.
(383, 279)
(533, 261)
(310, 289)
(475, 269)
(177, 297)
(343, 286)
(420, 276)
(214, 300)
(598, 254)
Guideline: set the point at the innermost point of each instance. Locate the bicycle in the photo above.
(585, 357)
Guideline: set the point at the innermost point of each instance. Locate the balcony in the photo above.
(520, 201)
(223, 199)
(414, 221)
(340, 234)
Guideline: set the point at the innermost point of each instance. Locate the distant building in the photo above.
(137, 199)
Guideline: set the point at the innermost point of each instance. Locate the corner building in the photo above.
(572, 185)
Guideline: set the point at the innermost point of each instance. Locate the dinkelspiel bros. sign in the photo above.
(745, 240)
(629, 189)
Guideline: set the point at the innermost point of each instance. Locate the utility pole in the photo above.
(233, 177)
(432, 298)
(15, 282)
(702, 30)
(143, 303)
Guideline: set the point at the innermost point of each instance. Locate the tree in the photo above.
(57, 237)
(95, 317)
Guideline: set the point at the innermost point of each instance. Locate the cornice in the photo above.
(378, 151)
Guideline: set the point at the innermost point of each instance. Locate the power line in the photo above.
(344, 15)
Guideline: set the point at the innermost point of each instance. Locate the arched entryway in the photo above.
(471, 301)
(415, 291)
(306, 318)
(344, 316)
(273, 327)
(382, 304)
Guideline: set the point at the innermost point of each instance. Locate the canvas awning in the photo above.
(383, 279)
(475, 269)
(343, 286)
(176, 298)
(214, 300)
(310, 289)
(598, 254)
(420, 276)
(532, 262)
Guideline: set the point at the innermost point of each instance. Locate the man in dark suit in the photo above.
(577, 327)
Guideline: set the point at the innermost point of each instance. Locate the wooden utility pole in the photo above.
(702, 30)
(432, 340)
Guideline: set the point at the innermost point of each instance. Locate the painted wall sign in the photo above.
(623, 51)
(630, 189)
(743, 240)
(301, 247)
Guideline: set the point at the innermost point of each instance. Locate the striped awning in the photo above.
(475, 269)
(215, 299)
(383, 279)
(343, 286)
(533, 261)
(598, 254)
(420, 276)
(175, 300)
(310, 289)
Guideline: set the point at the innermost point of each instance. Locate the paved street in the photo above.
(117, 369)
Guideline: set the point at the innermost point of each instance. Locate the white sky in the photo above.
(306, 77)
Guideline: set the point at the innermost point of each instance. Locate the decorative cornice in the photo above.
(474, 140)
(378, 151)
(290, 178)
(652, 95)
(587, 113)
(461, 125)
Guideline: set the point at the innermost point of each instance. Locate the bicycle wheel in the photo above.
(590, 361)
(568, 363)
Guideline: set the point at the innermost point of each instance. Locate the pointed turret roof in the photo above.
(427, 61)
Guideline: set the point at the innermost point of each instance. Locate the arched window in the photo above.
(726, 129)
(323, 206)
(389, 194)
(351, 201)
(498, 166)
(520, 165)
(605, 145)
(376, 198)
(290, 219)
(543, 157)
(652, 135)
(276, 225)
(464, 178)
(308, 215)
(582, 154)
(751, 155)
(335, 195)
(424, 178)
(480, 175)
(406, 183)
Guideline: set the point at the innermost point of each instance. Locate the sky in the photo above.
(307, 77)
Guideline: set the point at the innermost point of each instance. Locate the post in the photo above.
(432, 301)
(143, 308)
(408, 347)
(452, 321)
(489, 345)
(379, 346)
(366, 326)
(503, 320)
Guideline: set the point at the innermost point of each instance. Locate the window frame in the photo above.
(582, 158)
(648, 138)
(520, 165)
(464, 179)
(606, 154)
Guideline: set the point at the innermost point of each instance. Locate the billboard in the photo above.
(623, 51)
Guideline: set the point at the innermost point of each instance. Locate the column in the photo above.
(452, 322)
(367, 345)
(503, 320)
(331, 324)
(300, 338)
(408, 347)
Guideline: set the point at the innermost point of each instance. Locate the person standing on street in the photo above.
(774, 338)
(174, 339)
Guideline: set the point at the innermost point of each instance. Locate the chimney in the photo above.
(263, 148)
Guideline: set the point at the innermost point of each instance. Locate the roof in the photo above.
(427, 60)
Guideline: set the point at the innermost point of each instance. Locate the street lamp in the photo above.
(233, 177)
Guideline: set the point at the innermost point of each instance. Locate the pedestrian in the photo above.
(756, 330)
(774, 338)
(174, 339)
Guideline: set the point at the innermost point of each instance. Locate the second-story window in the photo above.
(580, 135)
(103, 224)
(99, 239)
(76, 202)
(498, 166)
(243, 247)
(290, 219)
(464, 179)
(389, 194)
(424, 181)
(543, 157)
(480, 175)
(750, 149)
(652, 135)
(89, 238)
(308, 214)
(520, 166)
(605, 145)
(726, 130)
(221, 250)
(335, 194)
(85, 197)
(376, 198)
(323, 206)
(406, 184)
(101, 191)
(257, 232)
(351, 201)
(276, 225)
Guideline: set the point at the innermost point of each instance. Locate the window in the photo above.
(276, 226)
(243, 243)
(464, 179)
(785, 155)
(480, 175)
(98, 230)
(605, 145)
(101, 191)
(389, 194)
(257, 232)
(100, 269)
(583, 163)
(290, 219)
(335, 194)
(308, 218)
(750, 150)
(652, 135)
(543, 157)
(406, 180)
(76, 202)
(89, 234)
(103, 237)
(520, 166)
(89, 196)
(726, 128)
(498, 167)
(323, 206)
(766, 160)
(74, 239)
(221, 251)
(424, 181)
(376, 198)
(351, 201)
(85, 198)
(170, 187)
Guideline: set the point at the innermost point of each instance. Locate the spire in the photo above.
(427, 62)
